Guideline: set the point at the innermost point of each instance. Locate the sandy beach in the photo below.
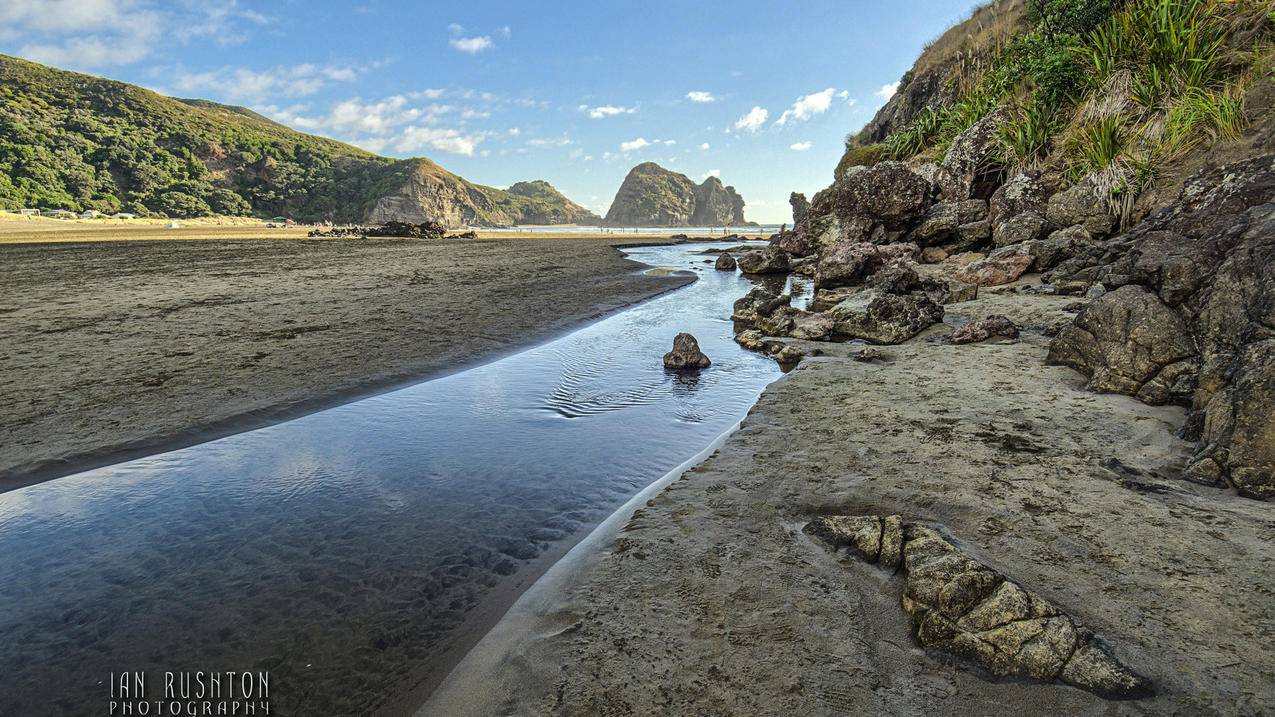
(709, 597)
(116, 349)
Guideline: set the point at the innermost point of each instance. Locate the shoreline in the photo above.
(420, 370)
(469, 677)
(711, 589)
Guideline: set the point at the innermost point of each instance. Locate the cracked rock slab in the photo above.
(964, 608)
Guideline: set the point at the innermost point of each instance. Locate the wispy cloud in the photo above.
(711, 173)
(634, 145)
(562, 141)
(800, 146)
(705, 146)
(104, 33)
(806, 107)
(700, 96)
(604, 111)
(242, 84)
(473, 44)
(754, 120)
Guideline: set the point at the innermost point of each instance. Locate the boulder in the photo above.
(847, 264)
(770, 260)
(1058, 247)
(974, 157)
(962, 607)
(1081, 205)
(1019, 228)
(797, 242)
(946, 220)
(1021, 193)
(751, 339)
(884, 318)
(1128, 342)
(757, 304)
(873, 204)
(983, 329)
(725, 262)
(685, 354)
(895, 278)
(995, 271)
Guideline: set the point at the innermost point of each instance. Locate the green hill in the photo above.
(74, 141)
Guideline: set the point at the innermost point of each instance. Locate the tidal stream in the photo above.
(356, 552)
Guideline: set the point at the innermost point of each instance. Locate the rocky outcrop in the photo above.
(1129, 342)
(983, 329)
(652, 196)
(716, 205)
(995, 270)
(796, 241)
(686, 354)
(884, 318)
(869, 204)
(965, 608)
(1196, 275)
(770, 260)
(425, 192)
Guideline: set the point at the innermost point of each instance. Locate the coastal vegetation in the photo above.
(1097, 88)
(77, 142)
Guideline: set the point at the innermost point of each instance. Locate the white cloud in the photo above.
(752, 121)
(670, 142)
(704, 146)
(606, 111)
(806, 107)
(243, 84)
(416, 139)
(887, 91)
(101, 33)
(515, 131)
(505, 32)
(562, 141)
(711, 173)
(800, 146)
(471, 45)
(634, 145)
(700, 96)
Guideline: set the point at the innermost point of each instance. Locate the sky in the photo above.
(761, 93)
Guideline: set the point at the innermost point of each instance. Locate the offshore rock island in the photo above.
(652, 196)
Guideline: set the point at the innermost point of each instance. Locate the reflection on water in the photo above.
(343, 550)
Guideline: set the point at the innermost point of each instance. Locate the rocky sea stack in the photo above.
(652, 196)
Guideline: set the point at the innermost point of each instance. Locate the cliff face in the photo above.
(423, 191)
(652, 196)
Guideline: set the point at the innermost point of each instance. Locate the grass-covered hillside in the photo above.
(74, 141)
(1113, 90)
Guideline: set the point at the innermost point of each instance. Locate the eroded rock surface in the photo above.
(960, 606)
(770, 260)
(882, 318)
(686, 354)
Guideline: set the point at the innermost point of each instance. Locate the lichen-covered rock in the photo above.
(983, 329)
(995, 270)
(1019, 228)
(964, 608)
(847, 264)
(946, 221)
(757, 304)
(1124, 341)
(872, 204)
(884, 318)
(686, 354)
(770, 260)
(895, 278)
(751, 339)
(1021, 193)
(725, 262)
(974, 157)
(1080, 205)
(1064, 244)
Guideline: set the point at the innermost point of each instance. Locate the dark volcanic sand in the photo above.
(110, 350)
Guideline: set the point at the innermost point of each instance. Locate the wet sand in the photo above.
(111, 350)
(707, 598)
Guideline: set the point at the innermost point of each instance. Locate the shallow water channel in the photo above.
(355, 552)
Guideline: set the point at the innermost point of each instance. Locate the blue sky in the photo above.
(761, 92)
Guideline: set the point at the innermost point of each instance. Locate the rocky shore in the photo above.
(122, 348)
(1023, 461)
